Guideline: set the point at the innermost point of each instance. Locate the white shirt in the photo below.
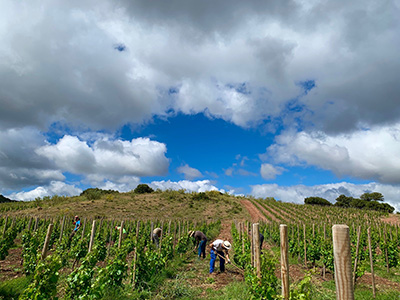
(217, 245)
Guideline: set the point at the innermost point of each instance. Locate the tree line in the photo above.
(372, 201)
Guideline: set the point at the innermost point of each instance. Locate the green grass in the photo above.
(11, 289)
(327, 291)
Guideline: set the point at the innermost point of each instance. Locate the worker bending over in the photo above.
(220, 248)
(200, 242)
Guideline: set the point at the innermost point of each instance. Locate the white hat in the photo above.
(227, 245)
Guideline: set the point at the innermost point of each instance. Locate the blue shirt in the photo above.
(77, 224)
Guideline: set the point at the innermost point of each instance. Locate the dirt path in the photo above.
(255, 214)
(197, 271)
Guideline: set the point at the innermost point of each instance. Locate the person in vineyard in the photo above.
(77, 223)
(219, 248)
(123, 231)
(156, 236)
(200, 242)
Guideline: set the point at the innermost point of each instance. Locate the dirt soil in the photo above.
(392, 219)
(11, 267)
(269, 214)
(255, 214)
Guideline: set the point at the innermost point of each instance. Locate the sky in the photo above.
(285, 99)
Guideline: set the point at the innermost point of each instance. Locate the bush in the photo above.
(143, 189)
(317, 201)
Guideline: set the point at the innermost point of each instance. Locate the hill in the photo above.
(157, 205)
(5, 199)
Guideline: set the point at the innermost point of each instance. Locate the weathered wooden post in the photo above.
(47, 241)
(92, 236)
(83, 228)
(284, 262)
(305, 245)
(121, 231)
(36, 224)
(357, 250)
(342, 262)
(62, 228)
(371, 262)
(5, 226)
(256, 247)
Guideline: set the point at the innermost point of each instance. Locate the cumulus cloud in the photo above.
(269, 171)
(20, 166)
(189, 172)
(54, 188)
(138, 157)
(297, 193)
(190, 186)
(72, 72)
(368, 154)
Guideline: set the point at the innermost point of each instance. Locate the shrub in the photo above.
(143, 189)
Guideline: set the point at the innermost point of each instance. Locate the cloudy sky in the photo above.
(284, 99)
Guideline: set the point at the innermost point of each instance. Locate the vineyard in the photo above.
(113, 254)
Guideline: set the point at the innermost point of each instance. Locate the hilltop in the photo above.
(157, 205)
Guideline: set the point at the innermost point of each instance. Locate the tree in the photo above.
(375, 196)
(317, 201)
(343, 201)
(143, 189)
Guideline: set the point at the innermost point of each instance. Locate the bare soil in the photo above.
(255, 214)
(392, 219)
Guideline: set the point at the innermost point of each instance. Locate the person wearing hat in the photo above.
(201, 242)
(220, 248)
(156, 236)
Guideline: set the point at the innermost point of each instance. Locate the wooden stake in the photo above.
(371, 262)
(5, 227)
(357, 250)
(92, 236)
(62, 228)
(121, 231)
(47, 241)
(256, 239)
(284, 262)
(342, 262)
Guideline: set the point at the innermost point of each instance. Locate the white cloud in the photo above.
(367, 154)
(189, 172)
(108, 158)
(71, 72)
(269, 171)
(54, 188)
(297, 193)
(190, 186)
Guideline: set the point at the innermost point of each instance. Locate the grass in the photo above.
(166, 205)
(11, 289)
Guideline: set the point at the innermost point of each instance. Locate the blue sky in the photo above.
(285, 99)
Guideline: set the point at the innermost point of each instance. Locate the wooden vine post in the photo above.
(284, 261)
(47, 241)
(324, 265)
(5, 226)
(92, 236)
(121, 232)
(256, 247)
(83, 228)
(342, 262)
(36, 224)
(305, 245)
(357, 250)
(371, 262)
(62, 228)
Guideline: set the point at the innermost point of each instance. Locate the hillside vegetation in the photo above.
(95, 203)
